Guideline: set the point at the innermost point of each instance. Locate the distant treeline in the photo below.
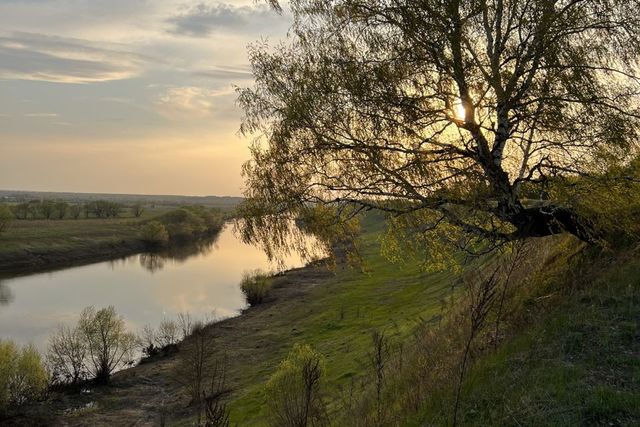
(125, 199)
(51, 209)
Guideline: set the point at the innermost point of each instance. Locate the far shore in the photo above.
(64, 250)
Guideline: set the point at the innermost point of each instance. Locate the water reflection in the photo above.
(145, 289)
(6, 296)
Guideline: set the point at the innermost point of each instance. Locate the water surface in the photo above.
(201, 279)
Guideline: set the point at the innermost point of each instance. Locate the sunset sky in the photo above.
(126, 96)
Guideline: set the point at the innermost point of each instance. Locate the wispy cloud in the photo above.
(180, 103)
(205, 19)
(226, 73)
(43, 115)
(27, 56)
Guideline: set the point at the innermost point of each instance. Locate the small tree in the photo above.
(190, 370)
(294, 390)
(379, 357)
(137, 210)
(75, 211)
(109, 345)
(6, 216)
(168, 333)
(47, 208)
(61, 209)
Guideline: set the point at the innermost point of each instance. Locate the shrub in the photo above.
(155, 233)
(66, 355)
(256, 286)
(193, 359)
(168, 333)
(23, 377)
(294, 391)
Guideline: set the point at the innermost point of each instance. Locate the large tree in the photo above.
(449, 113)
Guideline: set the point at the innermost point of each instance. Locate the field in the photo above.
(30, 245)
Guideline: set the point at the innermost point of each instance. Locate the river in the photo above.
(200, 279)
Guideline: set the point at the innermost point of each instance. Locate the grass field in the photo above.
(29, 245)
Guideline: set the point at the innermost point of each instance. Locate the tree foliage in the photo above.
(449, 115)
(5, 217)
(294, 391)
(109, 345)
(23, 377)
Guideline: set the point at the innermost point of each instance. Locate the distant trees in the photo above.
(5, 217)
(61, 209)
(50, 209)
(75, 211)
(182, 224)
(47, 208)
(106, 209)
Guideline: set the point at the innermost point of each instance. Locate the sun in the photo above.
(458, 111)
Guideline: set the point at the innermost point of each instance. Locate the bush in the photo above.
(23, 377)
(154, 233)
(294, 391)
(66, 356)
(256, 286)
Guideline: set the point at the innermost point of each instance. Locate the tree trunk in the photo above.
(547, 220)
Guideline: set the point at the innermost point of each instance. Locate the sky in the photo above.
(126, 96)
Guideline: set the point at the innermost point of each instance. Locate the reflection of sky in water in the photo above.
(144, 289)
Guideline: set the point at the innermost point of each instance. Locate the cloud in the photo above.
(226, 73)
(204, 19)
(39, 115)
(28, 56)
(189, 102)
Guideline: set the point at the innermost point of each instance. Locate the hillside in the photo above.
(567, 352)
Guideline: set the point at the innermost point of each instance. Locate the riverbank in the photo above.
(566, 315)
(335, 311)
(30, 246)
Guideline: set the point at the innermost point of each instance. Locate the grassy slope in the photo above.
(337, 319)
(573, 357)
(573, 360)
(576, 363)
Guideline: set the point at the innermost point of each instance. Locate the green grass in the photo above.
(577, 363)
(69, 234)
(572, 357)
(337, 319)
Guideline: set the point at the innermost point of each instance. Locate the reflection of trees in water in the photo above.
(177, 254)
(6, 296)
